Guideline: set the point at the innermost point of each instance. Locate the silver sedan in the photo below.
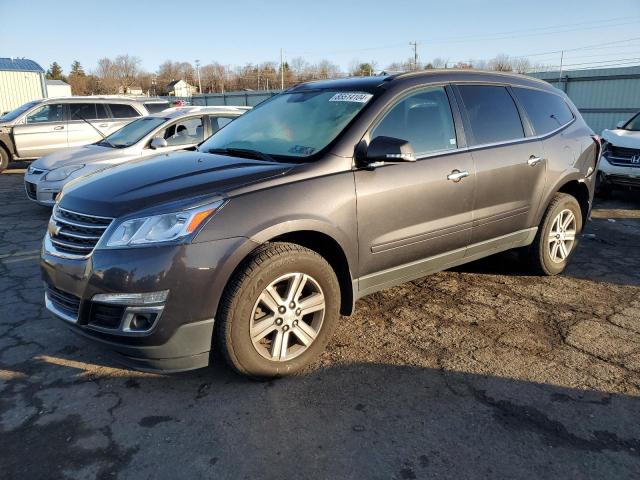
(173, 129)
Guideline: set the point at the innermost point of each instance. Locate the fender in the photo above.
(234, 258)
(567, 176)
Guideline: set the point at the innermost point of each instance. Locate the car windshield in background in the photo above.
(132, 133)
(296, 124)
(633, 124)
(155, 107)
(12, 115)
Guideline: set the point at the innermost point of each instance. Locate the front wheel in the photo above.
(557, 236)
(278, 311)
(4, 159)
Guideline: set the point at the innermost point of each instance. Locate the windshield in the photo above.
(12, 115)
(633, 124)
(296, 124)
(132, 133)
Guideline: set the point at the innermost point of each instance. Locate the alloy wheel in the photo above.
(562, 236)
(287, 317)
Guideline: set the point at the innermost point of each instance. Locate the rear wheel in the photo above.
(557, 236)
(278, 312)
(4, 159)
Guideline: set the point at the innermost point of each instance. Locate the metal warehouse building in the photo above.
(21, 80)
(604, 96)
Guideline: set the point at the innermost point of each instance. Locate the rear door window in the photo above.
(424, 119)
(47, 113)
(101, 110)
(218, 122)
(78, 111)
(546, 111)
(492, 113)
(122, 110)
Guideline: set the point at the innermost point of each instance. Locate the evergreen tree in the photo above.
(55, 72)
(76, 69)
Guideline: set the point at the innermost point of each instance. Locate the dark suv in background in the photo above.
(276, 225)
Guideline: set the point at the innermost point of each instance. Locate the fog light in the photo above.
(142, 321)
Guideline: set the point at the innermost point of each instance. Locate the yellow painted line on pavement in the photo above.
(92, 369)
(14, 170)
(614, 213)
(11, 375)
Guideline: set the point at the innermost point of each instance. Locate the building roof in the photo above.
(19, 64)
(56, 82)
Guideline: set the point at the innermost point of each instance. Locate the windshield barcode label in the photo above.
(351, 97)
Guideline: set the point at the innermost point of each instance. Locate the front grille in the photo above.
(31, 190)
(106, 316)
(63, 301)
(624, 157)
(76, 233)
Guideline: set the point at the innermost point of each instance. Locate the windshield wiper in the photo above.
(104, 138)
(243, 152)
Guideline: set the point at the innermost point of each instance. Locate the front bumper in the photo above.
(619, 175)
(40, 191)
(181, 338)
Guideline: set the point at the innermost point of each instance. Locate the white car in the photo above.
(172, 129)
(620, 162)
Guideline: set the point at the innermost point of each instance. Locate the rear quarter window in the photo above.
(122, 110)
(546, 111)
(492, 113)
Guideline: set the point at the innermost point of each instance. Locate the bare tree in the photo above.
(501, 63)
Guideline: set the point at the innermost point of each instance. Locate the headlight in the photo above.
(167, 227)
(61, 173)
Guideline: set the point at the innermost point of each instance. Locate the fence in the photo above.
(245, 99)
(604, 96)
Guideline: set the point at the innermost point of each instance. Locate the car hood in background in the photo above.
(622, 138)
(85, 154)
(154, 181)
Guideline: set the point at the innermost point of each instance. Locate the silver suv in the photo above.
(173, 129)
(41, 127)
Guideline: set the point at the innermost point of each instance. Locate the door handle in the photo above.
(59, 127)
(533, 160)
(457, 175)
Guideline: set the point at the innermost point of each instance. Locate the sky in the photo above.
(246, 31)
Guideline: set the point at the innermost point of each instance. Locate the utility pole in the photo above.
(561, 65)
(281, 70)
(199, 82)
(414, 44)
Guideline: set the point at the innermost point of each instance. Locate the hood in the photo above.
(154, 181)
(622, 138)
(81, 155)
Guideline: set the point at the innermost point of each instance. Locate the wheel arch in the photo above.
(332, 252)
(573, 185)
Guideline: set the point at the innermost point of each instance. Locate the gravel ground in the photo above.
(480, 372)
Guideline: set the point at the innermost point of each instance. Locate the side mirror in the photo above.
(620, 124)
(383, 150)
(158, 143)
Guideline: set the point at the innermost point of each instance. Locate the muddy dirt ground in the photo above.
(481, 372)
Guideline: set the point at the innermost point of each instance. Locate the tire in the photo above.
(246, 303)
(540, 256)
(4, 159)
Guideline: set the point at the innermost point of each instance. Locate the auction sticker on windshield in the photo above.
(351, 97)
